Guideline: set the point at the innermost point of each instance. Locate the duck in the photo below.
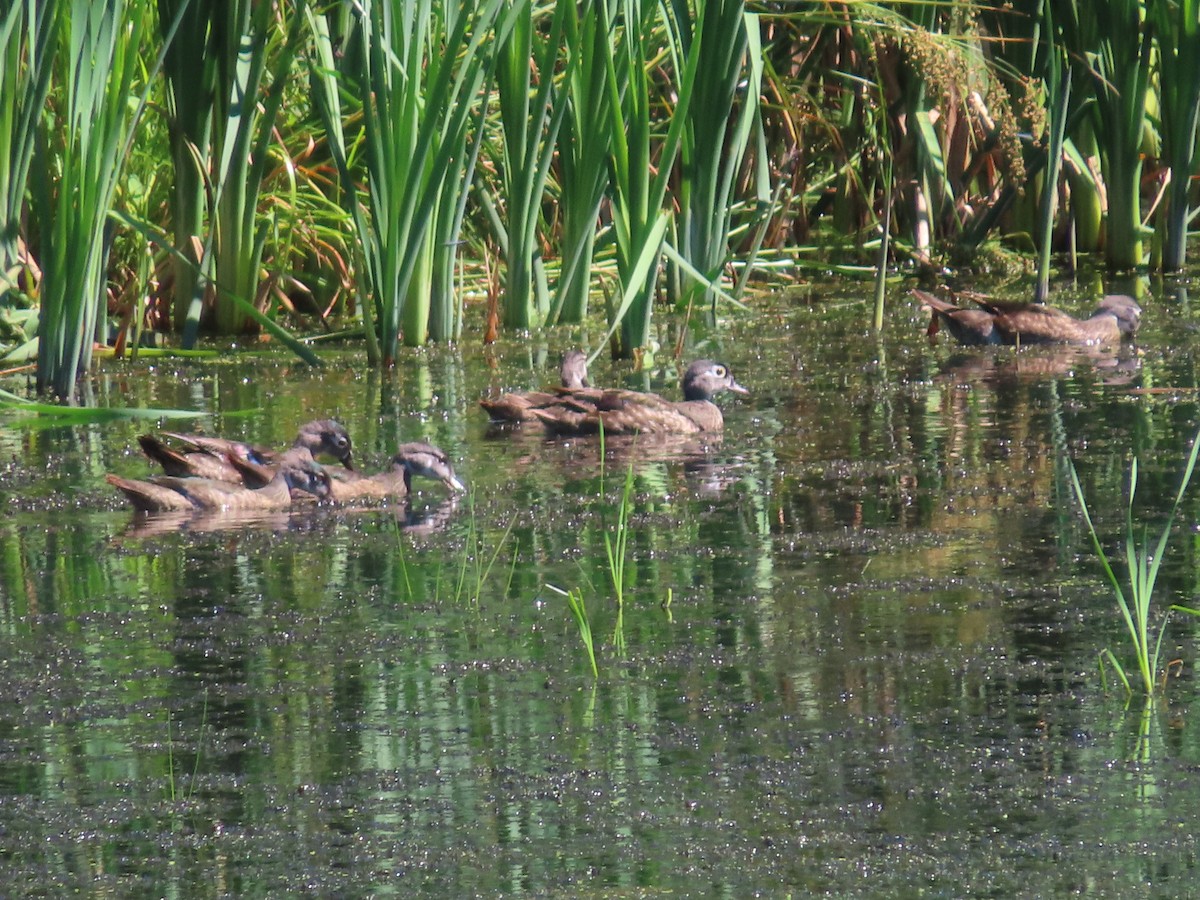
(518, 406)
(1115, 318)
(634, 412)
(414, 458)
(170, 493)
(211, 457)
(410, 459)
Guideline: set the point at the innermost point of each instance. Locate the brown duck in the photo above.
(169, 493)
(632, 412)
(517, 407)
(211, 457)
(410, 459)
(1115, 318)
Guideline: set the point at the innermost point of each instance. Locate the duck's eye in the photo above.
(720, 371)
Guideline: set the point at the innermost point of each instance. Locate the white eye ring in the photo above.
(720, 370)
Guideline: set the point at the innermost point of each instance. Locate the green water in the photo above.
(857, 654)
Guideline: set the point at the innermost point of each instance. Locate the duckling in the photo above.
(517, 407)
(1115, 318)
(629, 412)
(210, 456)
(168, 493)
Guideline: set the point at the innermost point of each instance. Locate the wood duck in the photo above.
(1115, 318)
(517, 407)
(631, 412)
(169, 493)
(210, 457)
(410, 459)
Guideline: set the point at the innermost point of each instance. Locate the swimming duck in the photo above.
(516, 407)
(630, 412)
(210, 457)
(415, 458)
(1115, 318)
(169, 493)
(410, 459)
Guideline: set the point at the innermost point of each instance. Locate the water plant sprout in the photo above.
(1142, 563)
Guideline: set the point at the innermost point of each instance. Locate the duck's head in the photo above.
(705, 378)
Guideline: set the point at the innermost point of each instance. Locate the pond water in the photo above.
(857, 652)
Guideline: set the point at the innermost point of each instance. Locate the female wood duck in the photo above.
(169, 493)
(396, 482)
(410, 459)
(516, 407)
(631, 412)
(210, 457)
(1115, 318)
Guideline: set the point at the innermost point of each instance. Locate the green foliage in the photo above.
(27, 49)
(419, 69)
(1142, 562)
(98, 58)
(530, 117)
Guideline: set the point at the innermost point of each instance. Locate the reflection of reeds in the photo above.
(1143, 564)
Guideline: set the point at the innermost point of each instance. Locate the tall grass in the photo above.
(190, 72)
(1177, 27)
(27, 51)
(1110, 35)
(1142, 562)
(99, 46)
(419, 69)
(582, 155)
(641, 163)
(532, 105)
(721, 120)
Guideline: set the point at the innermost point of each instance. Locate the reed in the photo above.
(641, 164)
(582, 155)
(532, 106)
(98, 57)
(1109, 34)
(1142, 562)
(722, 118)
(420, 69)
(1177, 28)
(27, 50)
(189, 89)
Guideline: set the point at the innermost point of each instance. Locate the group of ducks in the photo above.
(217, 474)
(210, 473)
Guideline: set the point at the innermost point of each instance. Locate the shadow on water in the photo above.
(857, 656)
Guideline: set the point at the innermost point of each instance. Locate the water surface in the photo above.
(857, 654)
